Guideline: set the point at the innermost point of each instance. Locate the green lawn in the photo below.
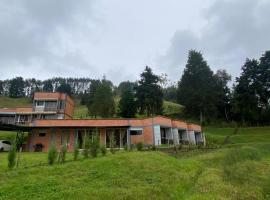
(6, 102)
(238, 170)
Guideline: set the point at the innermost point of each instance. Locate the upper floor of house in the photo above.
(45, 105)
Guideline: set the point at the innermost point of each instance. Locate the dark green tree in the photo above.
(223, 94)
(88, 96)
(245, 97)
(149, 93)
(125, 85)
(170, 93)
(196, 89)
(47, 86)
(127, 104)
(16, 87)
(103, 100)
(64, 88)
(1, 87)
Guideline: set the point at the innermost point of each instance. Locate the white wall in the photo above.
(157, 137)
(175, 135)
(192, 137)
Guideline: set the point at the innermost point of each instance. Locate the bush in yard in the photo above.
(126, 147)
(139, 146)
(154, 148)
(12, 157)
(103, 150)
(94, 146)
(86, 147)
(112, 144)
(76, 152)
(62, 153)
(180, 147)
(52, 155)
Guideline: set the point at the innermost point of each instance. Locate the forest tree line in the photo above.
(205, 95)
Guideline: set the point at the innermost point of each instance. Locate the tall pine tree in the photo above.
(196, 89)
(127, 104)
(149, 93)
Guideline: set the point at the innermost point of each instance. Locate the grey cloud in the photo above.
(233, 31)
(38, 33)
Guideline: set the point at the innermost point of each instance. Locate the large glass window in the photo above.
(136, 132)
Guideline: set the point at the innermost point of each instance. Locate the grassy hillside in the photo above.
(240, 169)
(14, 102)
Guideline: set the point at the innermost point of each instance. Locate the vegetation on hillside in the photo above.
(240, 169)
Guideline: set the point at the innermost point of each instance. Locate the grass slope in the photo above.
(238, 170)
(6, 102)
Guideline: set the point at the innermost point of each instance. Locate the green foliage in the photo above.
(76, 152)
(170, 93)
(139, 146)
(149, 93)
(196, 88)
(86, 146)
(125, 85)
(112, 144)
(94, 146)
(62, 153)
(12, 157)
(103, 150)
(103, 100)
(52, 154)
(126, 147)
(47, 86)
(16, 88)
(64, 88)
(127, 104)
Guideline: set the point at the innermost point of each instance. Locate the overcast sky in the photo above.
(118, 38)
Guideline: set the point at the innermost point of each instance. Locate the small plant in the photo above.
(112, 144)
(175, 148)
(103, 150)
(179, 146)
(76, 152)
(94, 146)
(86, 147)
(52, 155)
(126, 147)
(139, 146)
(62, 154)
(12, 157)
(154, 148)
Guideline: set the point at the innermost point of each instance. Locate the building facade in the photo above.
(50, 122)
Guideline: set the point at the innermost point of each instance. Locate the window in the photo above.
(6, 142)
(40, 103)
(136, 132)
(42, 134)
(62, 104)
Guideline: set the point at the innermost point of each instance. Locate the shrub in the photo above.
(112, 144)
(139, 146)
(94, 146)
(52, 155)
(12, 157)
(62, 153)
(76, 152)
(103, 150)
(126, 147)
(86, 147)
(154, 148)
(179, 146)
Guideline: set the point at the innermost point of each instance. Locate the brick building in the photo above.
(50, 122)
